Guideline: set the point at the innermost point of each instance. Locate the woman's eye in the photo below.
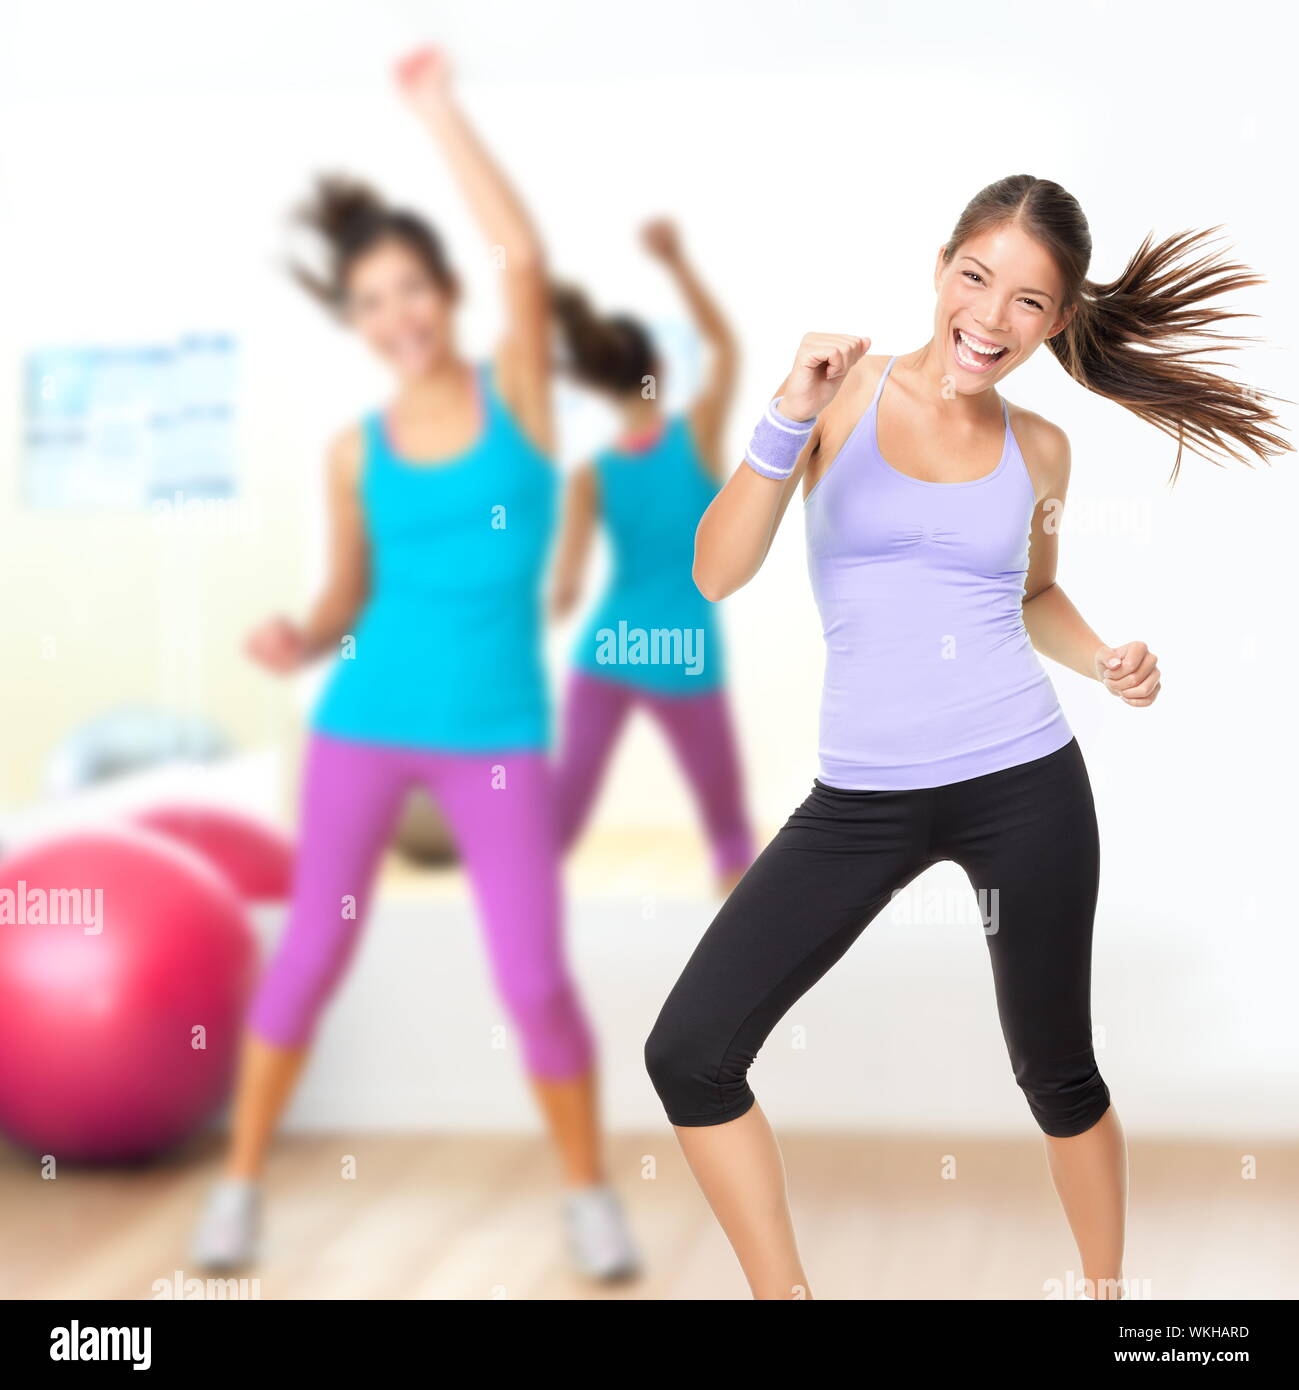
(1032, 303)
(973, 275)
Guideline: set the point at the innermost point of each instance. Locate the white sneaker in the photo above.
(599, 1240)
(227, 1232)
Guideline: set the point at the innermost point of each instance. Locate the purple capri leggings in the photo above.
(699, 729)
(500, 813)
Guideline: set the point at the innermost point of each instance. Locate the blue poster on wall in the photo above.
(115, 428)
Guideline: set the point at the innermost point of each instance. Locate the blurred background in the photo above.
(166, 397)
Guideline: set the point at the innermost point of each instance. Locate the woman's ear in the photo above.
(939, 264)
(1063, 321)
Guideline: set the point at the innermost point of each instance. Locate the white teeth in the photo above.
(976, 346)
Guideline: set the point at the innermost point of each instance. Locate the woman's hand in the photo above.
(661, 239)
(1130, 672)
(821, 364)
(424, 77)
(564, 595)
(279, 645)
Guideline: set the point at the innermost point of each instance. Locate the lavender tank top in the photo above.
(930, 677)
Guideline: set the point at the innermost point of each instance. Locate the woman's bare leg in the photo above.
(226, 1236)
(267, 1075)
(739, 1168)
(1090, 1172)
(571, 1112)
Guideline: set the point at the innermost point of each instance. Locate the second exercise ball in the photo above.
(254, 856)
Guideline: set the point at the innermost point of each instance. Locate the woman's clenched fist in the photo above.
(822, 362)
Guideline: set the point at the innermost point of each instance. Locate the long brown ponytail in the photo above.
(1140, 340)
(612, 353)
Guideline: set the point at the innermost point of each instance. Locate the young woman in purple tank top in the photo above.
(930, 509)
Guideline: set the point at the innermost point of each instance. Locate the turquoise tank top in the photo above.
(448, 649)
(653, 629)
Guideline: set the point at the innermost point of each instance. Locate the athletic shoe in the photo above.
(599, 1239)
(227, 1232)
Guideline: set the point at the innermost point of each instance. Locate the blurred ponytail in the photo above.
(1140, 340)
(351, 218)
(612, 353)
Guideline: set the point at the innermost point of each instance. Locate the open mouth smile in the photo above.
(975, 354)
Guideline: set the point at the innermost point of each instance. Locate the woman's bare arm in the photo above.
(283, 646)
(735, 533)
(523, 360)
(581, 509)
(710, 408)
(1055, 627)
(347, 578)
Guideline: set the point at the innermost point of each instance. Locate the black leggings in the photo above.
(1025, 836)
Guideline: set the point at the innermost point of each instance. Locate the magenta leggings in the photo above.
(500, 813)
(698, 727)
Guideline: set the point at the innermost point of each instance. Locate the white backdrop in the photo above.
(815, 156)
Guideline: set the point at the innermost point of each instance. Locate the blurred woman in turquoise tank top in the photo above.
(653, 641)
(441, 510)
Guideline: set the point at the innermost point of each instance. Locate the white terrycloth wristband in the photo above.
(776, 443)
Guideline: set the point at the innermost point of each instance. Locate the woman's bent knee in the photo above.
(694, 1089)
(1065, 1109)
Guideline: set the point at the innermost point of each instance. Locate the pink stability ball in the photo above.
(254, 856)
(125, 965)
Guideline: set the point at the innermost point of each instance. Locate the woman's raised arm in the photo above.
(736, 531)
(709, 410)
(524, 358)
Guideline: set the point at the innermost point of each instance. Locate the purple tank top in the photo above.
(930, 677)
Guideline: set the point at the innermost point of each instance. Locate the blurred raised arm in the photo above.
(523, 360)
(709, 411)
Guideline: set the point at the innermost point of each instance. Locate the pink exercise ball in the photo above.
(125, 965)
(254, 856)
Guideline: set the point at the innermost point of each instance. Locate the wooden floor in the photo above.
(461, 1217)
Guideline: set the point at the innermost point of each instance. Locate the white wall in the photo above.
(149, 153)
(902, 1034)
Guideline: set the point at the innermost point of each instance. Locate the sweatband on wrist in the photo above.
(776, 443)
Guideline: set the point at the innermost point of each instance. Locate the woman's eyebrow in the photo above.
(991, 276)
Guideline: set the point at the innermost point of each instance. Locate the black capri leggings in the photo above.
(1025, 836)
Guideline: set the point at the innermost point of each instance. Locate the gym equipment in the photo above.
(125, 966)
(254, 856)
(422, 836)
(128, 739)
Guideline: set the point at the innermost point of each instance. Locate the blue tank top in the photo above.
(652, 628)
(448, 649)
(930, 676)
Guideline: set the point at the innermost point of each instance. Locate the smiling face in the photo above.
(400, 308)
(1000, 297)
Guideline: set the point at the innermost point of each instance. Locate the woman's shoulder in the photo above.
(1035, 434)
(685, 429)
(346, 453)
(1044, 447)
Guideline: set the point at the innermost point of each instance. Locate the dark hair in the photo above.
(614, 353)
(351, 219)
(1140, 339)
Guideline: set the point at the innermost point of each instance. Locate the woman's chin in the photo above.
(412, 366)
